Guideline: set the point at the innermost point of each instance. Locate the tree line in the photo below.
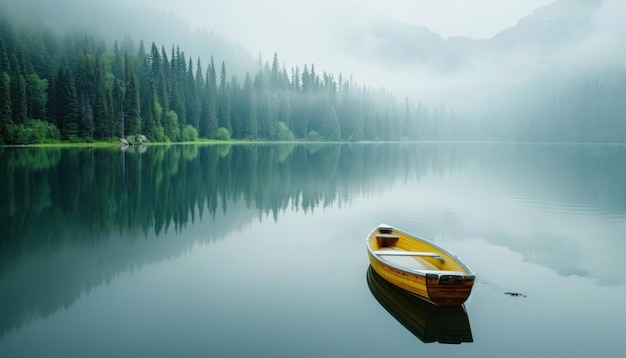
(71, 88)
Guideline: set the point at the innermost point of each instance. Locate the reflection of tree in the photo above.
(97, 198)
(96, 191)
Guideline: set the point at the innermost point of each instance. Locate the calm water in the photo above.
(259, 251)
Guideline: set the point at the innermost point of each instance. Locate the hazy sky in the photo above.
(282, 25)
(320, 32)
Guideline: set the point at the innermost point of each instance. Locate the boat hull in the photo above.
(437, 275)
(426, 321)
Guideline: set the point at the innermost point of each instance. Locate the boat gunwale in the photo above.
(470, 275)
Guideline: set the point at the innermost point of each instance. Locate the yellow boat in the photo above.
(419, 266)
(426, 321)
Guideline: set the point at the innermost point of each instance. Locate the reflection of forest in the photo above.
(96, 191)
(72, 218)
(95, 203)
(49, 195)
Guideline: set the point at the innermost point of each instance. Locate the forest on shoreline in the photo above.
(73, 89)
(59, 86)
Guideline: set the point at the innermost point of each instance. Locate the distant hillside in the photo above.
(115, 20)
(557, 75)
(562, 23)
(391, 43)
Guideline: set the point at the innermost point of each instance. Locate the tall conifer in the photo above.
(132, 123)
(5, 106)
(18, 91)
(224, 101)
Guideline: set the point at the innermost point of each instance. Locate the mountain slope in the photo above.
(115, 20)
(547, 30)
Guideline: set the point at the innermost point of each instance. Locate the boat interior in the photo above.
(410, 262)
(410, 253)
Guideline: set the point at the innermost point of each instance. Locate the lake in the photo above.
(259, 250)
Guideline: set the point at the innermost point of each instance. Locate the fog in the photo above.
(456, 52)
(299, 29)
(341, 36)
(461, 53)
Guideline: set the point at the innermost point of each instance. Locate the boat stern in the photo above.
(449, 288)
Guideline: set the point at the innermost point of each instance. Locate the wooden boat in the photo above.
(429, 323)
(419, 266)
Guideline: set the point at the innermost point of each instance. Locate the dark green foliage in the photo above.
(37, 96)
(17, 87)
(5, 106)
(189, 134)
(67, 114)
(103, 112)
(33, 131)
(172, 126)
(149, 114)
(118, 98)
(4, 59)
(157, 74)
(132, 122)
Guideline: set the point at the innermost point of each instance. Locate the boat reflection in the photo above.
(426, 321)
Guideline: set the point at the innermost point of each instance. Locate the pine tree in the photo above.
(67, 105)
(251, 127)
(181, 83)
(212, 118)
(236, 115)
(19, 107)
(224, 101)
(146, 91)
(274, 77)
(102, 111)
(192, 101)
(132, 122)
(407, 126)
(268, 114)
(5, 106)
(117, 66)
(167, 73)
(203, 100)
(284, 98)
(36, 96)
(159, 77)
(177, 101)
(149, 114)
(118, 97)
(330, 127)
(295, 80)
(5, 66)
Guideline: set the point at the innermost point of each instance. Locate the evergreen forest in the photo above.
(64, 86)
(73, 88)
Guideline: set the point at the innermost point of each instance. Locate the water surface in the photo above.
(259, 250)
